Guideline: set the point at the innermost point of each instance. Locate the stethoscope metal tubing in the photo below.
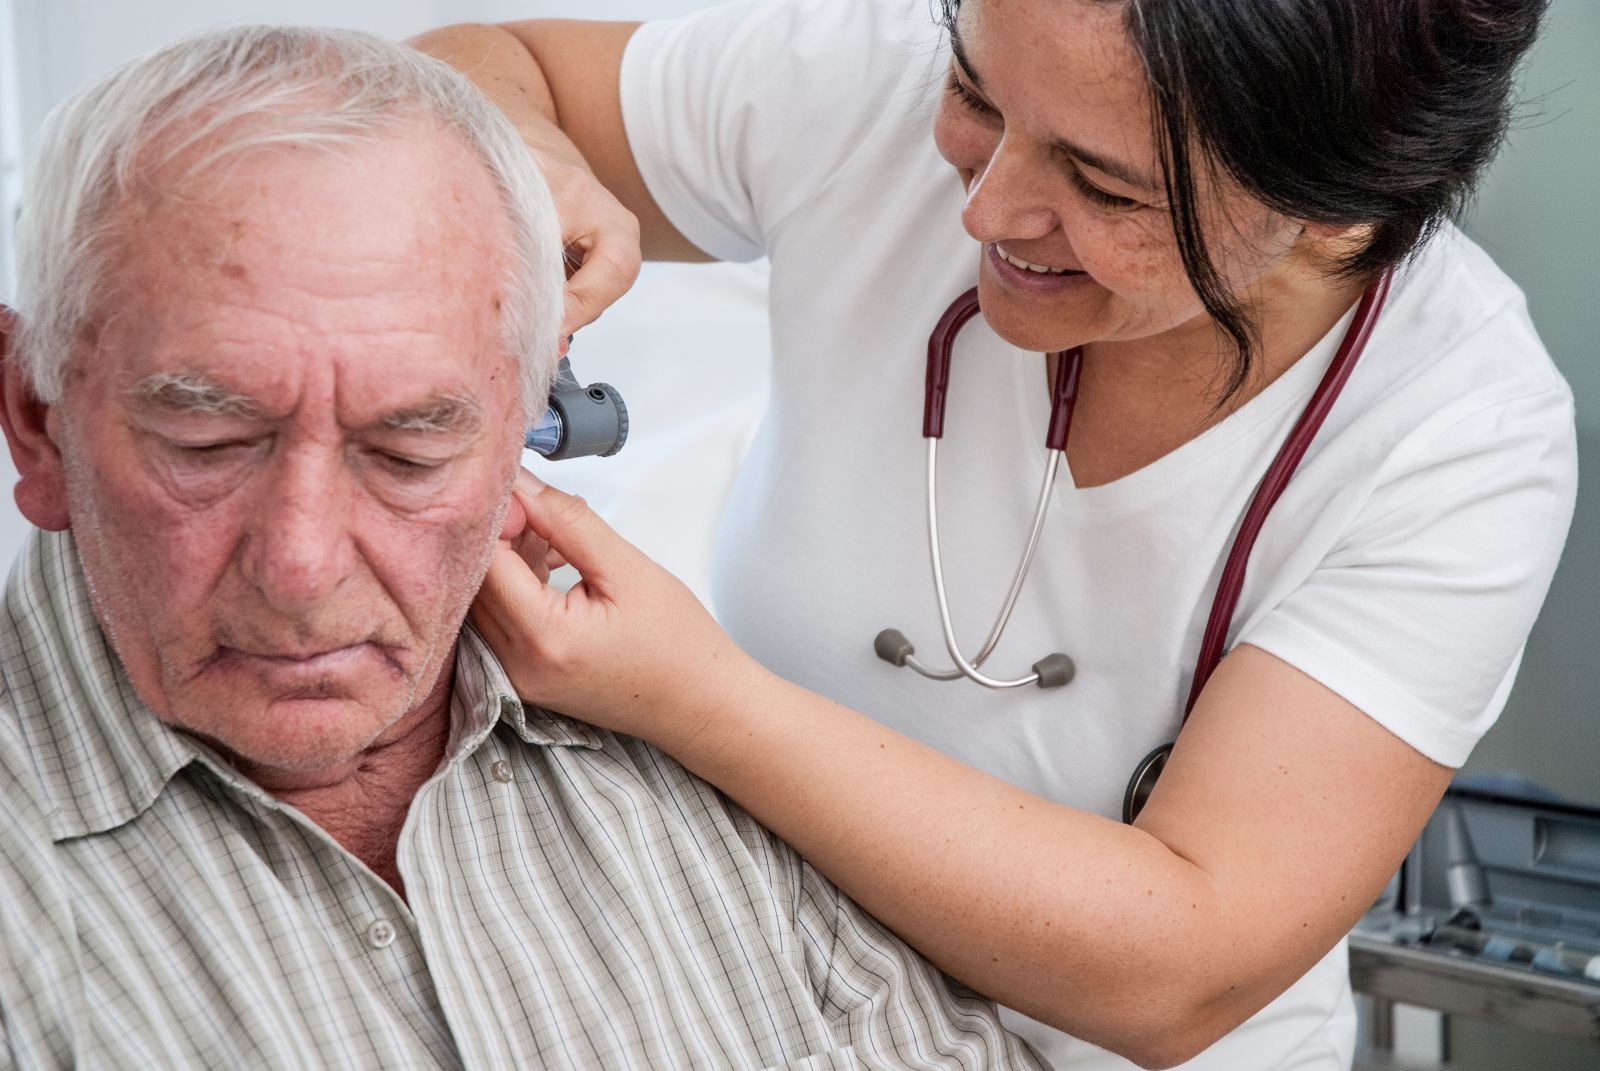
(893, 647)
(964, 668)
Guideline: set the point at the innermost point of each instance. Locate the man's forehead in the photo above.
(418, 213)
(317, 270)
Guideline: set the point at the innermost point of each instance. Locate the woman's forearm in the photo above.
(1282, 813)
(1107, 934)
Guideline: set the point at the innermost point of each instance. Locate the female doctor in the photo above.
(1190, 213)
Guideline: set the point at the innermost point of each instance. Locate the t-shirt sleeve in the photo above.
(1419, 613)
(738, 114)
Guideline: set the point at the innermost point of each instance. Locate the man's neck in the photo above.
(363, 802)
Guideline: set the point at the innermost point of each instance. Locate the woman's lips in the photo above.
(1029, 281)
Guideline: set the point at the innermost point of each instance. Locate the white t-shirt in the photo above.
(1402, 568)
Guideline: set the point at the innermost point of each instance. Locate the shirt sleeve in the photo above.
(737, 115)
(884, 1001)
(1418, 615)
(36, 955)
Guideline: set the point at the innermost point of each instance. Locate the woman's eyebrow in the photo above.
(1115, 168)
(959, 51)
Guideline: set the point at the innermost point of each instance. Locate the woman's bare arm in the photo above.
(1281, 815)
(557, 80)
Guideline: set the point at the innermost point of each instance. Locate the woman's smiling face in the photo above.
(1046, 115)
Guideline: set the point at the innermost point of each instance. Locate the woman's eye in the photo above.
(968, 98)
(1098, 196)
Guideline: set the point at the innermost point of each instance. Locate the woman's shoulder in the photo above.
(1453, 349)
(1455, 317)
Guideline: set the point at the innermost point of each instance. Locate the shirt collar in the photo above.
(482, 684)
(104, 757)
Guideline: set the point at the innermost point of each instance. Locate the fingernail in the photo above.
(529, 482)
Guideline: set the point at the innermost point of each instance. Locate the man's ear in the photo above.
(41, 490)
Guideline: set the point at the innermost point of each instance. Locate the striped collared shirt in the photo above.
(576, 899)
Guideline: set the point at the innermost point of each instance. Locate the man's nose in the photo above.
(1009, 197)
(299, 546)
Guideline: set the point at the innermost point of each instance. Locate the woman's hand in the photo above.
(628, 648)
(599, 234)
(600, 242)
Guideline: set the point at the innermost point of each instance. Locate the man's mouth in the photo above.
(324, 658)
(287, 661)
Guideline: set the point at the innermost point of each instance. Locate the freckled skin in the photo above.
(1020, 190)
(330, 289)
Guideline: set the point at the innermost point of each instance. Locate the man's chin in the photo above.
(295, 735)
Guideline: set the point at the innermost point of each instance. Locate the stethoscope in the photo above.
(1057, 669)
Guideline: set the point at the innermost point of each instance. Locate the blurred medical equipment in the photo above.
(1494, 914)
(580, 421)
(1055, 670)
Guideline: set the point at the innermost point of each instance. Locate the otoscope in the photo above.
(580, 421)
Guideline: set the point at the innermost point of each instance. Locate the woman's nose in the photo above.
(1008, 197)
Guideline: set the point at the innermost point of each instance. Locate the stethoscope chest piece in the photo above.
(1143, 782)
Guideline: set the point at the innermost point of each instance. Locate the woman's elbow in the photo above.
(1152, 1023)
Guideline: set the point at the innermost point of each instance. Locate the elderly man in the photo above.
(288, 298)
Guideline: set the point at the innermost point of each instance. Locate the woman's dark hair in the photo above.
(1336, 112)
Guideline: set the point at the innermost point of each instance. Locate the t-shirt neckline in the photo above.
(1291, 389)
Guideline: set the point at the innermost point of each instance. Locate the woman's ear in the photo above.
(41, 490)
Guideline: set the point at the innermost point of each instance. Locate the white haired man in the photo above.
(288, 298)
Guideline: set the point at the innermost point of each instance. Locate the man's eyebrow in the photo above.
(1116, 169)
(194, 392)
(441, 413)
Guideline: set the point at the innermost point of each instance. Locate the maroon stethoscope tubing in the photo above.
(1064, 395)
(1277, 479)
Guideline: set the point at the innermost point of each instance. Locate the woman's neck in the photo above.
(1141, 399)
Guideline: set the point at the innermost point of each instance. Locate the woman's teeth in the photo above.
(1018, 262)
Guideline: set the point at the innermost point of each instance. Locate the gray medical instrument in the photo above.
(580, 421)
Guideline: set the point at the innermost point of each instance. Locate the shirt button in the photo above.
(501, 771)
(381, 934)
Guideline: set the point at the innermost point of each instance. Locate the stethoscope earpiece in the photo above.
(892, 646)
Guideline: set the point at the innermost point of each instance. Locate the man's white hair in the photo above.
(209, 97)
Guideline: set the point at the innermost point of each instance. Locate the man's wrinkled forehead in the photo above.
(392, 248)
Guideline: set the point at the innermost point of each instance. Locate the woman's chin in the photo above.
(1026, 322)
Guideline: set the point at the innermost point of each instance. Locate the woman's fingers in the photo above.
(609, 268)
(601, 240)
(577, 535)
(514, 607)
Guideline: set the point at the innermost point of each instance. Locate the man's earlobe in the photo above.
(41, 490)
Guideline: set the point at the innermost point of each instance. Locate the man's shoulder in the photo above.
(24, 802)
(705, 807)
